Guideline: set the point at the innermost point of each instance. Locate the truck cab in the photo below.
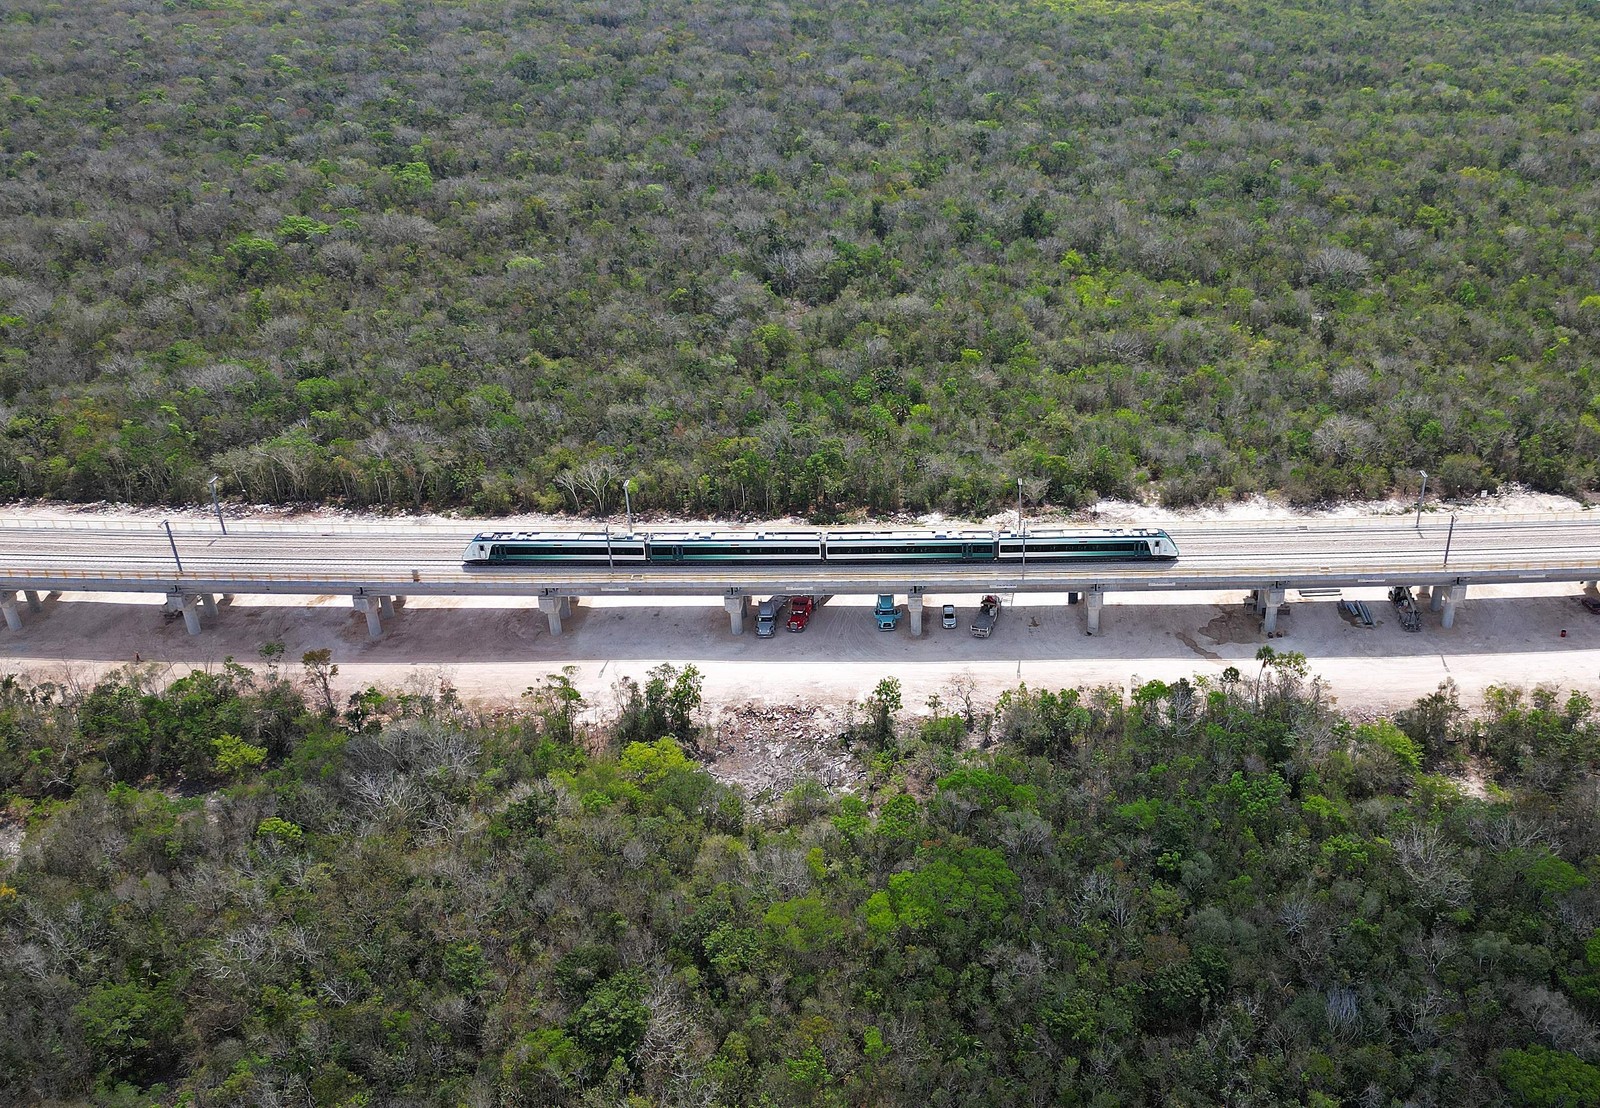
(886, 613)
(800, 609)
(766, 618)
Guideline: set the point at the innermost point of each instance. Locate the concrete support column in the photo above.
(227, 598)
(1095, 599)
(567, 603)
(191, 615)
(1458, 593)
(385, 608)
(368, 606)
(1436, 598)
(737, 607)
(208, 604)
(33, 601)
(1269, 616)
(552, 607)
(8, 605)
(914, 612)
(399, 601)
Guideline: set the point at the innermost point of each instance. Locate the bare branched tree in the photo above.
(596, 479)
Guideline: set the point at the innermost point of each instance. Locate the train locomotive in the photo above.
(1051, 545)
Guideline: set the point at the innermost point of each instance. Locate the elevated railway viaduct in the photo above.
(378, 565)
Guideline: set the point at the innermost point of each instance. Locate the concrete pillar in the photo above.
(566, 606)
(1269, 616)
(369, 607)
(552, 607)
(1458, 593)
(1095, 599)
(191, 615)
(385, 608)
(227, 598)
(737, 607)
(208, 604)
(8, 605)
(1436, 598)
(914, 613)
(399, 602)
(33, 601)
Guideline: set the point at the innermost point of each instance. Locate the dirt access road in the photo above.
(494, 649)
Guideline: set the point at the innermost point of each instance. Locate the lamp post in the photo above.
(1420, 495)
(1022, 529)
(628, 500)
(216, 506)
(174, 543)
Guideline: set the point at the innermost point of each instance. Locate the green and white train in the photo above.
(678, 548)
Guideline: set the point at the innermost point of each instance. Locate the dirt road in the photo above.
(494, 649)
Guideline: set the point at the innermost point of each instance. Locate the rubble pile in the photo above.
(767, 749)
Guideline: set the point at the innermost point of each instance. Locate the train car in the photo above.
(1099, 544)
(734, 547)
(531, 548)
(596, 548)
(910, 546)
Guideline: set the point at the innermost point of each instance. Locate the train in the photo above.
(1049, 545)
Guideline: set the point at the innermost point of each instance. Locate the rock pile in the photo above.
(769, 748)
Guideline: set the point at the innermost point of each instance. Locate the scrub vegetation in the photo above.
(1206, 893)
(808, 257)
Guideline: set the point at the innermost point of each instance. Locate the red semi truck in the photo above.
(800, 609)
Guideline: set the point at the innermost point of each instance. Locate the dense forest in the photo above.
(815, 256)
(234, 891)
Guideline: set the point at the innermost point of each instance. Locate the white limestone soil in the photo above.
(1511, 500)
(491, 650)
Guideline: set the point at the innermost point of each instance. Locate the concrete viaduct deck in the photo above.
(379, 564)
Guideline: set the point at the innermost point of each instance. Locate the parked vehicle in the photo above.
(887, 614)
(800, 609)
(988, 612)
(947, 616)
(767, 618)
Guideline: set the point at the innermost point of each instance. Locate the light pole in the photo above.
(1420, 495)
(628, 500)
(1021, 529)
(1448, 538)
(215, 505)
(174, 544)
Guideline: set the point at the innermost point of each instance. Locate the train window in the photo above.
(556, 550)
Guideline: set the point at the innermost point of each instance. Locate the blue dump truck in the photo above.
(886, 613)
